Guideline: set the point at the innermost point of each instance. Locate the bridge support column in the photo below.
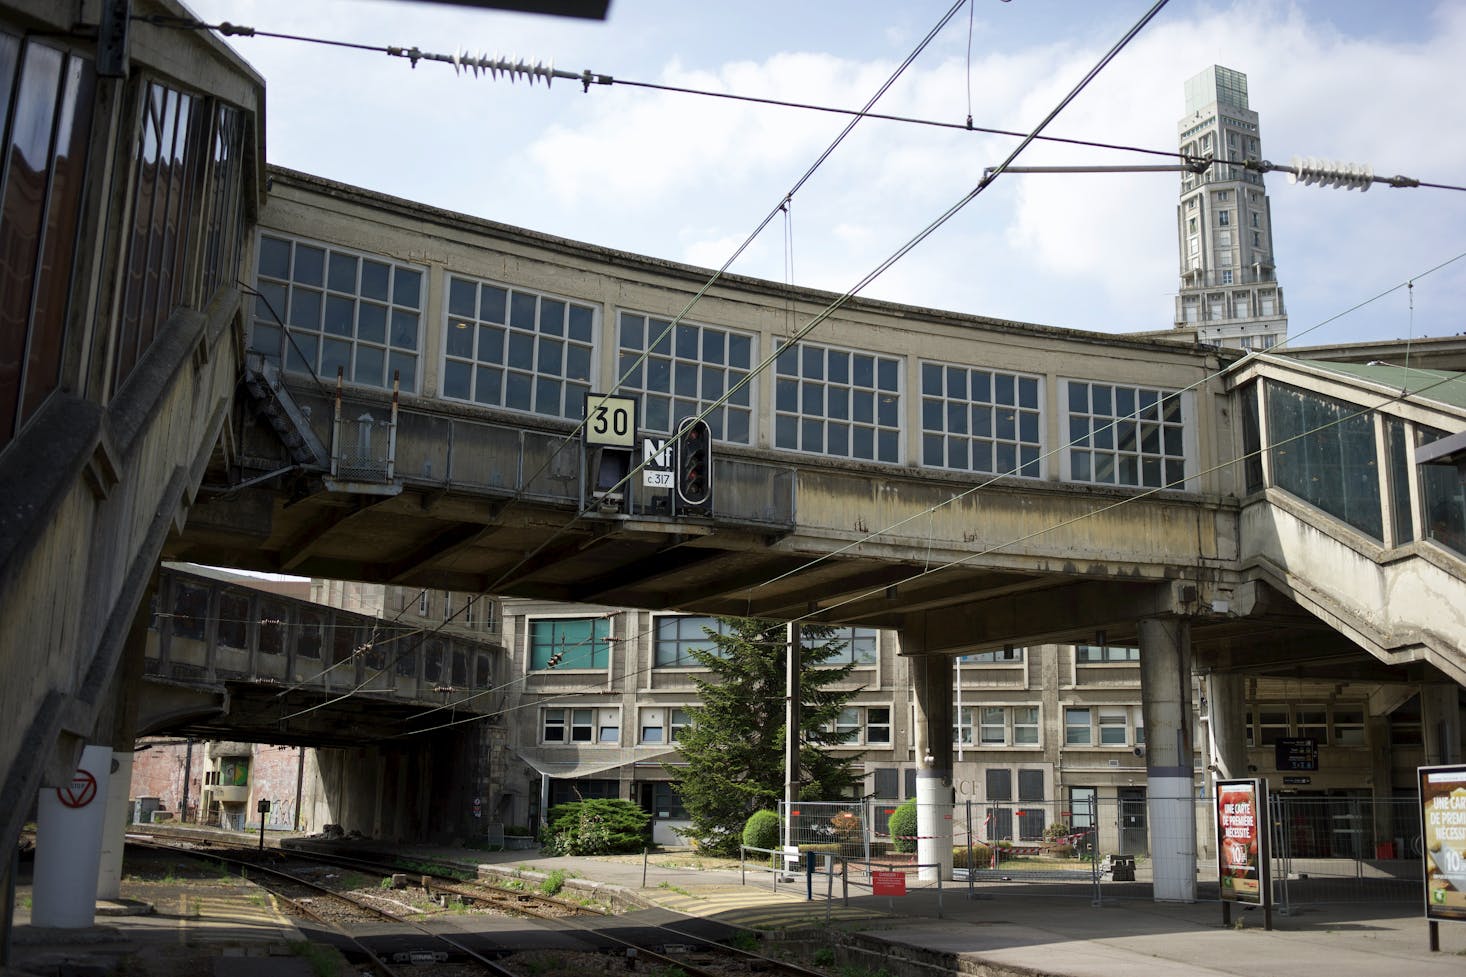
(1226, 725)
(1440, 722)
(69, 822)
(1165, 681)
(934, 794)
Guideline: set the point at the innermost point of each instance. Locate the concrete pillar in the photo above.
(69, 823)
(1165, 680)
(114, 829)
(1381, 779)
(1226, 710)
(1440, 722)
(934, 795)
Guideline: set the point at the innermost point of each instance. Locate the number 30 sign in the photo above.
(610, 422)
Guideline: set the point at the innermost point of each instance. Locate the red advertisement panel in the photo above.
(1443, 829)
(1242, 840)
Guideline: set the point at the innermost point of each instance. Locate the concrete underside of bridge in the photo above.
(960, 570)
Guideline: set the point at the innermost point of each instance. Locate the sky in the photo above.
(689, 178)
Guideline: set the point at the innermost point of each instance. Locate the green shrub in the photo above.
(553, 883)
(763, 829)
(982, 856)
(599, 826)
(902, 827)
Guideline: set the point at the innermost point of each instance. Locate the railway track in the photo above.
(445, 923)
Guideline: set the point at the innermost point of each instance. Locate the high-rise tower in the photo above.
(1229, 289)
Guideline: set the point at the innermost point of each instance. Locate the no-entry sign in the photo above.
(80, 792)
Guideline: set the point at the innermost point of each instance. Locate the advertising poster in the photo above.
(1443, 828)
(1241, 840)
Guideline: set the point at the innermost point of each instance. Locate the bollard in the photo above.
(809, 877)
(644, 857)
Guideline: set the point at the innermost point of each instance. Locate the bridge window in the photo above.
(190, 610)
(41, 171)
(858, 646)
(510, 347)
(1444, 495)
(483, 670)
(1122, 435)
(679, 635)
(432, 661)
(979, 420)
(1323, 452)
(274, 616)
(308, 642)
(569, 642)
(338, 310)
(233, 621)
(685, 371)
(834, 401)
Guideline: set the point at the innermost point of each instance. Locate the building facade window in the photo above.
(1272, 724)
(878, 725)
(1025, 726)
(1224, 217)
(980, 420)
(858, 646)
(685, 371)
(569, 642)
(340, 310)
(1226, 276)
(839, 402)
(663, 724)
(589, 726)
(518, 349)
(994, 726)
(1348, 726)
(1105, 654)
(667, 803)
(1122, 435)
(677, 636)
(1077, 730)
(1114, 726)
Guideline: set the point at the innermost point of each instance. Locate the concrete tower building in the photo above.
(1229, 290)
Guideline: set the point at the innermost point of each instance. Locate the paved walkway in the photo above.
(1025, 929)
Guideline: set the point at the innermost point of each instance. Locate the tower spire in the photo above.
(1229, 289)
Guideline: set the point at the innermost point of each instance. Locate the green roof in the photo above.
(1441, 386)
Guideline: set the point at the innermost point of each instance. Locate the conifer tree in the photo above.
(734, 744)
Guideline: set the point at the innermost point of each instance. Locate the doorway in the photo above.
(1133, 839)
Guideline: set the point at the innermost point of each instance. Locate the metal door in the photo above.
(1133, 839)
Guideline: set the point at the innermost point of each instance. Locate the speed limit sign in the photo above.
(610, 422)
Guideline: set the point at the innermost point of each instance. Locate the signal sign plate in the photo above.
(610, 422)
